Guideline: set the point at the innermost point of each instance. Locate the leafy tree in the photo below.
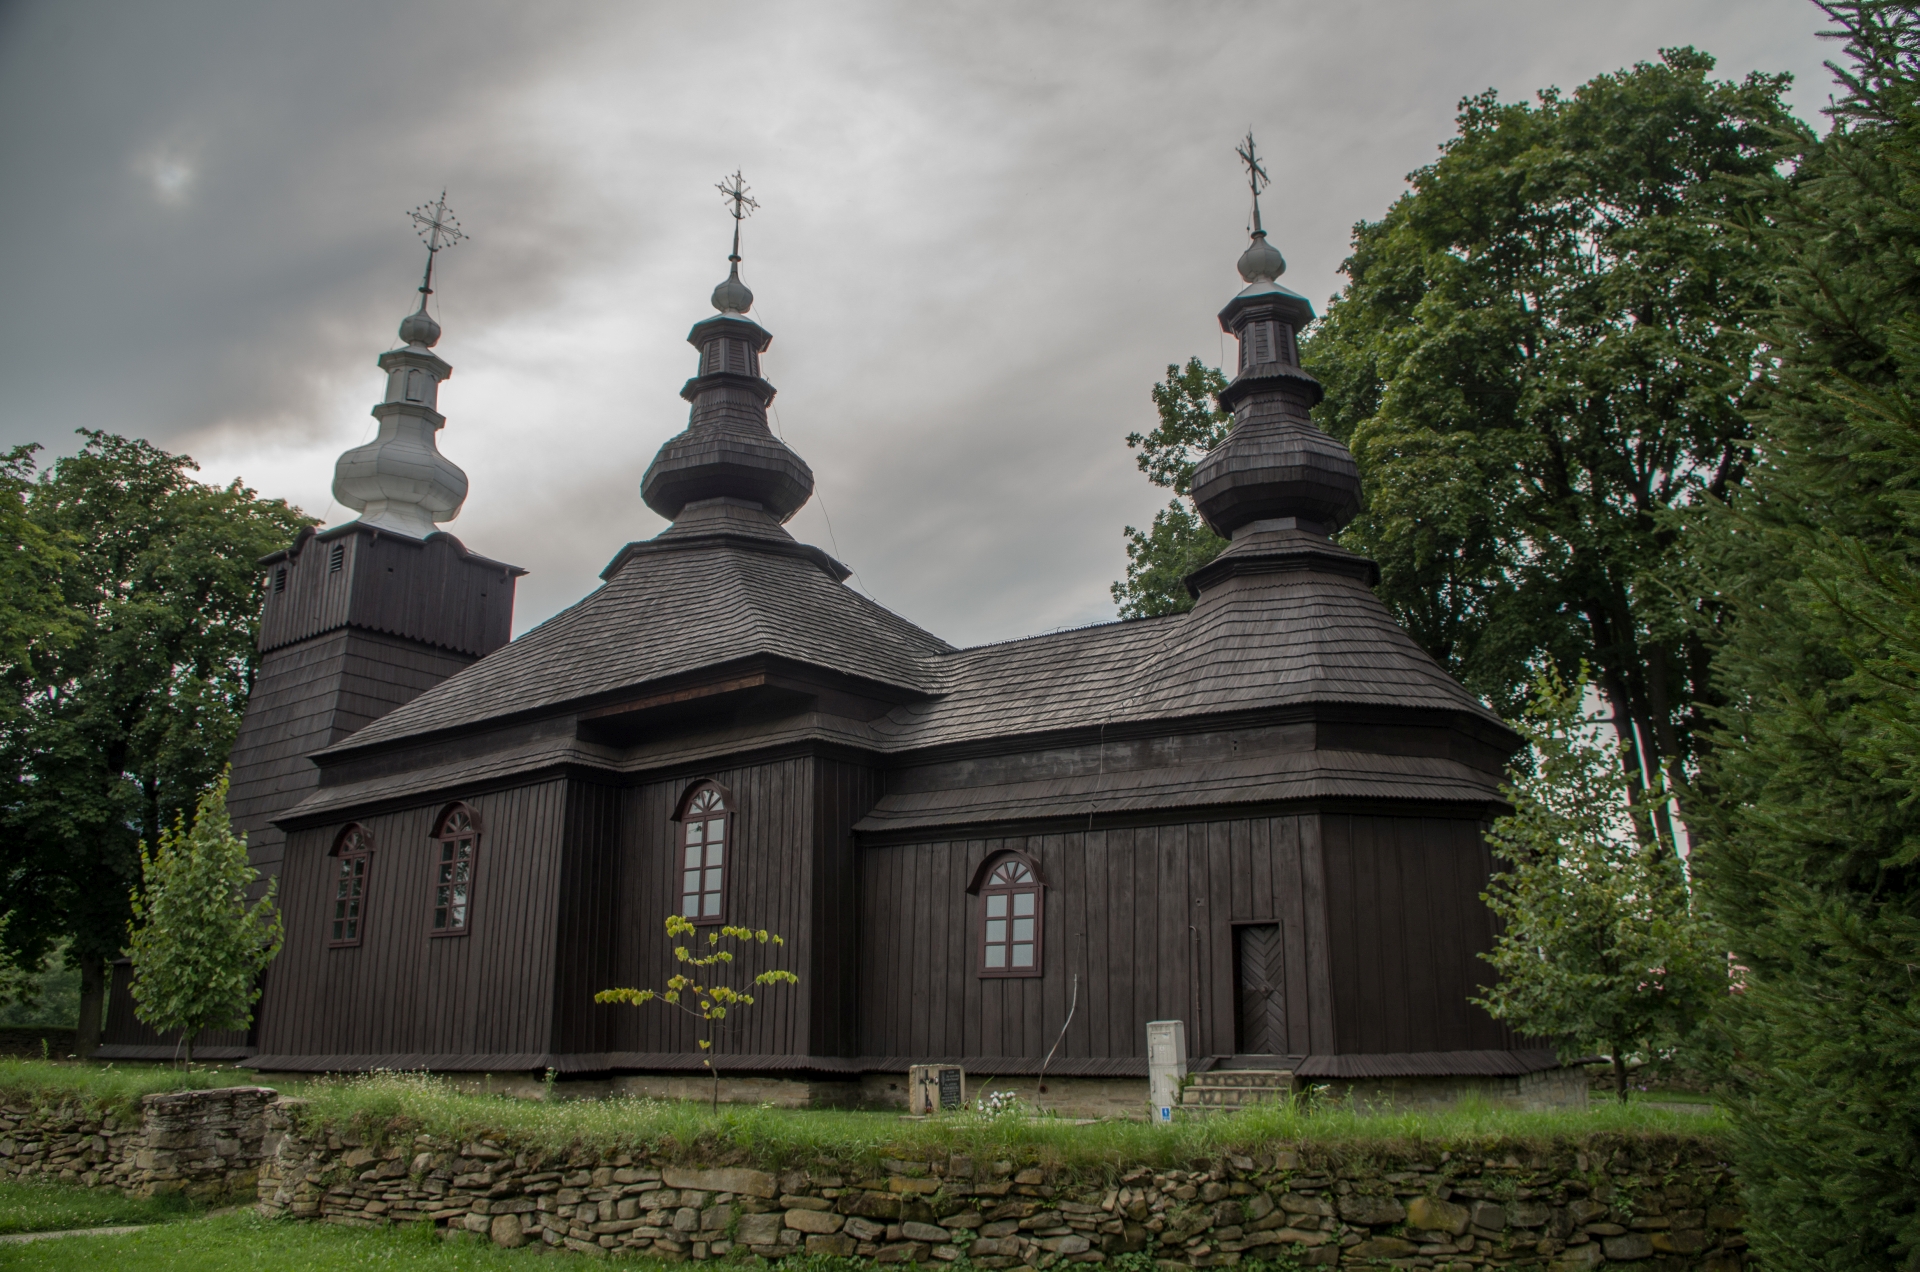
(1539, 362)
(197, 947)
(1600, 946)
(1808, 832)
(1159, 559)
(121, 709)
(702, 991)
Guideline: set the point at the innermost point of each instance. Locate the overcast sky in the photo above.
(985, 230)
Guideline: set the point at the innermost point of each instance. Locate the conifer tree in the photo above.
(1601, 947)
(1808, 827)
(197, 947)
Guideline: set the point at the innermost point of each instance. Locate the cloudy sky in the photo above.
(986, 229)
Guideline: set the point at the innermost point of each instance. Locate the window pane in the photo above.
(1023, 956)
(713, 881)
(1023, 929)
(690, 905)
(1018, 872)
(997, 905)
(713, 904)
(693, 856)
(1023, 902)
(460, 915)
(714, 849)
(690, 881)
(996, 956)
(696, 832)
(996, 930)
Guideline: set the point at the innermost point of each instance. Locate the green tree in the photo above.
(703, 991)
(197, 947)
(1600, 946)
(1807, 829)
(1539, 362)
(121, 709)
(1160, 558)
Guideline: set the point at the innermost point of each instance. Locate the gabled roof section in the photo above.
(673, 605)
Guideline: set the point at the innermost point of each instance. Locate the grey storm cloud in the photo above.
(986, 229)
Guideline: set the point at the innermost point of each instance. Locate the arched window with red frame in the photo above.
(457, 849)
(352, 862)
(706, 831)
(1012, 905)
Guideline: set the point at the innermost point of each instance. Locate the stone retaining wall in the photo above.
(206, 1144)
(1660, 1204)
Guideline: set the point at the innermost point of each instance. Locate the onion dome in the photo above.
(400, 481)
(727, 450)
(1276, 468)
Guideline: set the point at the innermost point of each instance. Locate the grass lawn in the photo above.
(771, 1138)
(54, 1208)
(244, 1242)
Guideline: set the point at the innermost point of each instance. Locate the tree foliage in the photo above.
(706, 990)
(197, 947)
(1808, 827)
(136, 593)
(1601, 947)
(1539, 362)
(1178, 543)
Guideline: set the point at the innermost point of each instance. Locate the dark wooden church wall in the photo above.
(308, 696)
(403, 991)
(1146, 916)
(769, 885)
(588, 930)
(1407, 925)
(123, 1028)
(1143, 915)
(843, 793)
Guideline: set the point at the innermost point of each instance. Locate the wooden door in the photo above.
(1263, 996)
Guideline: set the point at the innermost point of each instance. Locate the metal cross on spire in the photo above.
(734, 191)
(1257, 179)
(440, 229)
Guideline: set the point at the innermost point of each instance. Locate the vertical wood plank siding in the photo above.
(1380, 924)
(402, 990)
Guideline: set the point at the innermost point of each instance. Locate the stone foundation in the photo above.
(206, 1144)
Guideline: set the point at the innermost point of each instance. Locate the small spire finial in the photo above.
(732, 296)
(1257, 179)
(440, 229)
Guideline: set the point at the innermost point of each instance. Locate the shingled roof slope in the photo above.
(674, 606)
(1265, 641)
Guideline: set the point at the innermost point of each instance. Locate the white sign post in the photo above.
(1166, 1065)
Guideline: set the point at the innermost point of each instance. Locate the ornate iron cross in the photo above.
(734, 191)
(440, 229)
(1257, 179)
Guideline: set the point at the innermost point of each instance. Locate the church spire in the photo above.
(727, 451)
(1276, 469)
(400, 481)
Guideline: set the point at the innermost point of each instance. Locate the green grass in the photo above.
(402, 1103)
(57, 1207)
(244, 1242)
(104, 1087)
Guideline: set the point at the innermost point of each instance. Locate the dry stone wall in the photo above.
(1608, 1202)
(1617, 1202)
(206, 1144)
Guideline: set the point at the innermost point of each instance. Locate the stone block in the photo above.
(1372, 1210)
(1383, 1248)
(1435, 1215)
(903, 1184)
(1680, 1241)
(716, 1218)
(1634, 1245)
(995, 1246)
(797, 1202)
(1578, 1258)
(1528, 1214)
(1302, 1204)
(506, 1231)
(836, 1244)
(923, 1232)
(760, 1229)
(903, 1252)
(864, 1229)
(1071, 1244)
(815, 1221)
(751, 1183)
(869, 1205)
(686, 1219)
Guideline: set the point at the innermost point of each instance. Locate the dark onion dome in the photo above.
(1276, 463)
(727, 451)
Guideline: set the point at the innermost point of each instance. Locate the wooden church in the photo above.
(1263, 817)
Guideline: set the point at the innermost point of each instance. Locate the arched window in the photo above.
(457, 842)
(353, 856)
(705, 829)
(1010, 913)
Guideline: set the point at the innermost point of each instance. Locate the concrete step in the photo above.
(1236, 1088)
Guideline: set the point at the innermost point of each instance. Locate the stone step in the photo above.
(1236, 1088)
(1281, 1079)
